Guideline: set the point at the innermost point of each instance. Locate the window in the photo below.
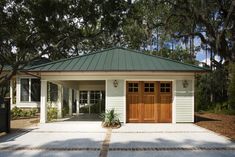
(83, 97)
(133, 87)
(148, 87)
(94, 97)
(91, 101)
(30, 89)
(52, 92)
(35, 89)
(165, 87)
(24, 89)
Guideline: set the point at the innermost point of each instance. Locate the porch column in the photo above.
(77, 99)
(88, 101)
(43, 105)
(70, 101)
(60, 101)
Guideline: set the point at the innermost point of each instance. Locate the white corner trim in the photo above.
(106, 94)
(124, 100)
(174, 101)
(193, 101)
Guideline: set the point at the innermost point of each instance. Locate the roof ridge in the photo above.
(137, 51)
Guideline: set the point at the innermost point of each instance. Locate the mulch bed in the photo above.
(24, 122)
(219, 123)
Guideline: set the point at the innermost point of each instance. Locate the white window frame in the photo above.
(89, 97)
(29, 78)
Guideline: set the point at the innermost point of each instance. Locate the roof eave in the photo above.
(90, 71)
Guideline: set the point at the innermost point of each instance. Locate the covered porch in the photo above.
(73, 100)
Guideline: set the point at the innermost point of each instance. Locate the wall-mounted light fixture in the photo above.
(185, 83)
(115, 83)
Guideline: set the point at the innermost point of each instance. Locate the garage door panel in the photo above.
(165, 107)
(133, 102)
(149, 108)
(133, 108)
(164, 113)
(165, 99)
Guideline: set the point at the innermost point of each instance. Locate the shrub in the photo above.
(65, 110)
(231, 89)
(221, 108)
(51, 113)
(17, 112)
(84, 109)
(110, 119)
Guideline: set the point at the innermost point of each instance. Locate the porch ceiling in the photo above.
(75, 84)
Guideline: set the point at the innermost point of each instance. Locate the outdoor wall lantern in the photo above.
(185, 83)
(115, 83)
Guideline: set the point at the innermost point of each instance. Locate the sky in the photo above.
(201, 54)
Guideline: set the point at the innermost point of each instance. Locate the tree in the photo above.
(57, 29)
(144, 24)
(231, 90)
(213, 23)
(178, 54)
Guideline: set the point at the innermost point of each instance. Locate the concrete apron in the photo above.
(90, 139)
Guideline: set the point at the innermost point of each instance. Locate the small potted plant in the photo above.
(110, 119)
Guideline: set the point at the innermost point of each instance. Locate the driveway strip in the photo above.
(49, 149)
(173, 149)
(105, 146)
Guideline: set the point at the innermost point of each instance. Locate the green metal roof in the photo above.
(116, 59)
(33, 63)
(7, 68)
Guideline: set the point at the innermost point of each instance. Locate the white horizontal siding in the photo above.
(26, 105)
(184, 102)
(115, 98)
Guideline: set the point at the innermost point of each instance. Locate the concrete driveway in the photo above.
(89, 139)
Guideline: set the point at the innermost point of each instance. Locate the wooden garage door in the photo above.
(147, 102)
